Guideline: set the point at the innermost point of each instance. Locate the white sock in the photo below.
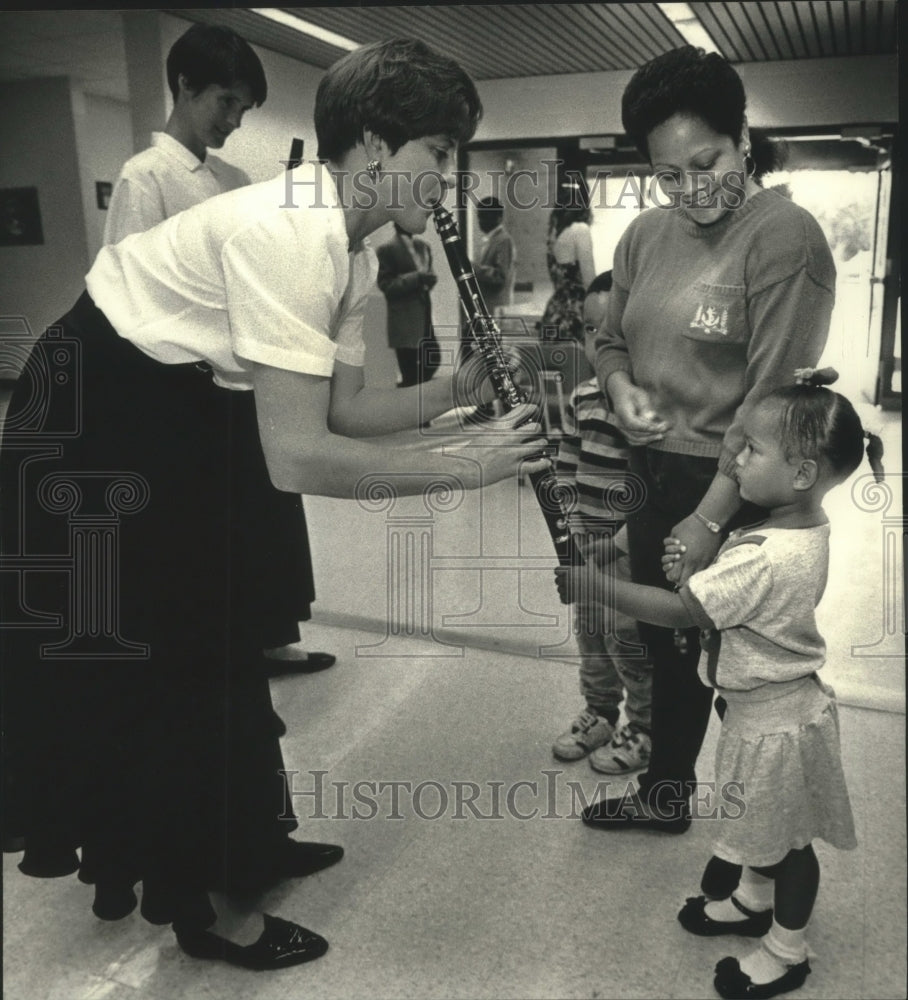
(754, 891)
(778, 951)
(789, 945)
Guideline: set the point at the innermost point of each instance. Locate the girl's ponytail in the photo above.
(818, 422)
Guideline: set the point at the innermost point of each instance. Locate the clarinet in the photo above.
(487, 340)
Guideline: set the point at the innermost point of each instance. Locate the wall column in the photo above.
(146, 73)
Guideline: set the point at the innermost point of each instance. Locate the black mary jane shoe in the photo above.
(313, 663)
(694, 918)
(733, 984)
(281, 945)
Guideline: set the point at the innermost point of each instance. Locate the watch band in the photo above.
(713, 526)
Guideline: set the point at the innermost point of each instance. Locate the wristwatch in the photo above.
(713, 526)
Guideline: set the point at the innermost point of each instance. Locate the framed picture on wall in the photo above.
(20, 217)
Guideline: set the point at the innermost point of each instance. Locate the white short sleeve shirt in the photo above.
(757, 604)
(162, 181)
(261, 274)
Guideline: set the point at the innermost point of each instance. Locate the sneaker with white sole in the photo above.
(628, 750)
(587, 732)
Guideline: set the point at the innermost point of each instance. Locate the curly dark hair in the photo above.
(400, 89)
(685, 81)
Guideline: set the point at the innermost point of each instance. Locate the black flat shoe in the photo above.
(630, 814)
(281, 945)
(287, 859)
(733, 984)
(694, 918)
(285, 668)
(298, 858)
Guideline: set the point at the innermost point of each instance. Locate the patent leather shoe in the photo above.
(694, 919)
(282, 944)
(732, 983)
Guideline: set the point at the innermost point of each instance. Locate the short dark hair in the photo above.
(209, 54)
(490, 207)
(686, 81)
(601, 283)
(400, 89)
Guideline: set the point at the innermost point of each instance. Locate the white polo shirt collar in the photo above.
(175, 149)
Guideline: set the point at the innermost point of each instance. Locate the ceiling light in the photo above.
(688, 25)
(306, 27)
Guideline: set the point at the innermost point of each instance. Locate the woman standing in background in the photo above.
(569, 258)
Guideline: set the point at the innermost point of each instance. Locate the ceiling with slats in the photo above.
(507, 40)
(490, 40)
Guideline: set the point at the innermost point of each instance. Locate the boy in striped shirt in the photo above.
(592, 458)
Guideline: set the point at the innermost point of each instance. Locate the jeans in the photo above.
(609, 667)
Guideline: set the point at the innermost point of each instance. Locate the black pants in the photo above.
(148, 742)
(674, 486)
(417, 364)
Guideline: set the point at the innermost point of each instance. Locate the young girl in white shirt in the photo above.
(779, 742)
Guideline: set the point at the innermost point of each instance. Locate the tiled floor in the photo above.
(441, 898)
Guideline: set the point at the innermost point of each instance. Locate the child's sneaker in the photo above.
(628, 750)
(587, 732)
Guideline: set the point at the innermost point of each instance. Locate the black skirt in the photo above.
(137, 726)
(271, 536)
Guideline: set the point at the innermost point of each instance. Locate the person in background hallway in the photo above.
(158, 760)
(215, 77)
(496, 267)
(406, 277)
(718, 294)
(569, 258)
(778, 759)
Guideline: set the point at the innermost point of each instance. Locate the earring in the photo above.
(372, 169)
(750, 171)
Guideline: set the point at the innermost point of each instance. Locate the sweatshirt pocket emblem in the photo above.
(718, 314)
(711, 319)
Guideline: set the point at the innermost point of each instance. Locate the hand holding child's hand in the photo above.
(698, 548)
(671, 559)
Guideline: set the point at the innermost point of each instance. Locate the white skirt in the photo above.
(780, 744)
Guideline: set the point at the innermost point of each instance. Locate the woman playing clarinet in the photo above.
(163, 768)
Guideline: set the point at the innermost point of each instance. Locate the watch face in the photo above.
(712, 525)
